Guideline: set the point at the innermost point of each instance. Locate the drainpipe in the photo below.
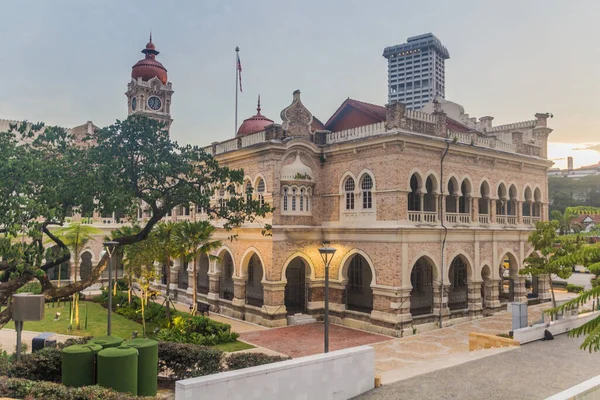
(443, 226)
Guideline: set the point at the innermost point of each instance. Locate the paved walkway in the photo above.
(305, 340)
(8, 339)
(533, 371)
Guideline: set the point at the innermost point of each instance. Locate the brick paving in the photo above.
(306, 340)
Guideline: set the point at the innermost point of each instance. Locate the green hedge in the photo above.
(182, 361)
(155, 313)
(197, 330)
(27, 389)
(574, 288)
(246, 360)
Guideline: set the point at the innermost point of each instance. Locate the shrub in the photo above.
(72, 341)
(574, 288)
(246, 360)
(182, 361)
(197, 330)
(26, 389)
(43, 365)
(122, 284)
(33, 287)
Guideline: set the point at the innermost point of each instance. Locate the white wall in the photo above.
(337, 375)
(588, 390)
(536, 332)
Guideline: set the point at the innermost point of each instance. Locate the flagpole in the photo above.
(237, 72)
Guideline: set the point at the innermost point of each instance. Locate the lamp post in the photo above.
(326, 254)
(110, 247)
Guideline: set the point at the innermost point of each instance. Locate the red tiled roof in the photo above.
(377, 112)
(316, 124)
(580, 218)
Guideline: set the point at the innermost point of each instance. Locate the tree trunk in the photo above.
(168, 291)
(552, 291)
(76, 295)
(195, 289)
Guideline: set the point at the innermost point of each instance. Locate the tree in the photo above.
(75, 236)
(549, 248)
(192, 240)
(163, 237)
(47, 174)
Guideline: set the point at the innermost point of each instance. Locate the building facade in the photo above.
(429, 212)
(416, 71)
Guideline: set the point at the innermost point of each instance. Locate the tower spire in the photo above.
(258, 106)
(150, 35)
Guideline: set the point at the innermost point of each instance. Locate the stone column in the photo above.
(436, 198)
(519, 288)
(174, 271)
(519, 205)
(239, 292)
(492, 293)
(492, 210)
(544, 288)
(440, 303)
(274, 310)
(457, 200)
(214, 285)
(474, 209)
(191, 279)
(474, 297)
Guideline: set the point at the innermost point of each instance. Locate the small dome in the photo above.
(148, 67)
(296, 171)
(255, 123)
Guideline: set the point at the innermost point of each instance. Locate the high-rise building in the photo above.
(416, 70)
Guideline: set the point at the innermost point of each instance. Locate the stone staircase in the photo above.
(300, 319)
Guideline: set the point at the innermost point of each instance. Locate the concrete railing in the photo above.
(341, 374)
(229, 145)
(420, 116)
(516, 125)
(474, 140)
(588, 390)
(356, 133)
(536, 332)
(255, 138)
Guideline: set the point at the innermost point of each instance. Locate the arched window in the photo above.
(249, 191)
(260, 189)
(367, 197)
(285, 199)
(226, 291)
(254, 287)
(302, 199)
(307, 199)
(414, 203)
(484, 192)
(429, 203)
(294, 199)
(349, 190)
(457, 299)
(222, 200)
(182, 281)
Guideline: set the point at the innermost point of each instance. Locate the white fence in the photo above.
(255, 138)
(489, 142)
(336, 375)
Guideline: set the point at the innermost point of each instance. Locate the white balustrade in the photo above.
(420, 116)
(511, 219)
(229, 145)
(451, 217)
(527, 220)
(501, 219)
(422, 216)
(356, 133)
(414, 216)
(464, 218)
(429, 216)
(484, 219)
(255, 138)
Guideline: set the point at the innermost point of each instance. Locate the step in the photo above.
(300, 319)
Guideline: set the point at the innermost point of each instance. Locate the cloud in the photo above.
(594, 147)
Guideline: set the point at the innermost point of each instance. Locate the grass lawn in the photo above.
(97, 315)
(235, 346)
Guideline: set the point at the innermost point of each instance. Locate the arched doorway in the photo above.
(226, 286)
(254, 287)
(85, 267)
(202, 278)
(295, 288)
(359, 295)
(421, 295)
(458, 296)
(508, 270)
(183, 276)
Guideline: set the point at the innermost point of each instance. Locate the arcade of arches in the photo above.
(240, 287)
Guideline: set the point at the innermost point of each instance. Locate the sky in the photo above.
(69, 61)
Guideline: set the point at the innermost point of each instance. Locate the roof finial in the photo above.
(150, 35)
(258, 106)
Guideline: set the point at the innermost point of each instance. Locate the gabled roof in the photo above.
(372, 110)
(587, 218)
(316, 124)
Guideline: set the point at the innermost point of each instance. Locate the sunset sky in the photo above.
(69, 61)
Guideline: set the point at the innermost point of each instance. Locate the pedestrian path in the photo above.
(8, 339)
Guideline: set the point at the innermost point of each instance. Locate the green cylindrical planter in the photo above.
(118, 369)
(79, 364)
(147, 365)
(107, 341)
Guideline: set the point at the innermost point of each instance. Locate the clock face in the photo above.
(154, 103)
(133, 103)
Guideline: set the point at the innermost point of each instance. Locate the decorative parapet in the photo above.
(356, 133)
(253, 139)
(517, 125)
(226, 146)
(474, 140)
(420, 116)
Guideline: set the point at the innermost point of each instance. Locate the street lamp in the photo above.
(110, 247)
(326, 254)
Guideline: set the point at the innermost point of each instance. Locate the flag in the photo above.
(239, 68)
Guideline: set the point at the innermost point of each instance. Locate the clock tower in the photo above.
(149, 92)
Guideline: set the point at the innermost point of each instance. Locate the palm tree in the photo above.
(124, 253)
(192, 239)
(163, 235)
(75, 236)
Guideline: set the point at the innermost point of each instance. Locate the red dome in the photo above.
(254, 124)
(148, 67)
